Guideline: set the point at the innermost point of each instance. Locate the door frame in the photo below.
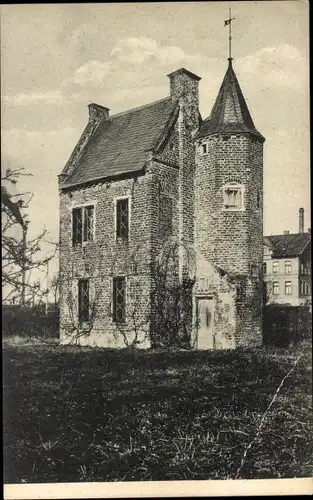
(206, 296)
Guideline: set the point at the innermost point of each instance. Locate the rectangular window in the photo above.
(275, 267)
(204, 148)
(301, 268)
(83, 301)
(304, 288)
(122, 219)
(264, 267)
(83, 224)
(119, 299)
(287, 267)
(233, 197)
(275, 288)
(254, 271)
(288, 288)
(301, 288)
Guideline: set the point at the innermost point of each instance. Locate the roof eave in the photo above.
(107, 178)
(256, 135)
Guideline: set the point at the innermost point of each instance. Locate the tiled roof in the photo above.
(230, 113)
(288, 245)
(119, 144)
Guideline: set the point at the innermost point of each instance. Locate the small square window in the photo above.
(233, 197)
(204, 148)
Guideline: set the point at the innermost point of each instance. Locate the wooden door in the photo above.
(205, 321)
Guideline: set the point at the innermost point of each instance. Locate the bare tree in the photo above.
(20, 255)
(158, 295)
(173, 281)
(136, 327)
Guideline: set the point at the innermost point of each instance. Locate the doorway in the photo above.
(205, 322)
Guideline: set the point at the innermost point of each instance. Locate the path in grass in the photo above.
(80, 414)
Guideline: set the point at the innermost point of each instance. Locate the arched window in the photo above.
(233, 197)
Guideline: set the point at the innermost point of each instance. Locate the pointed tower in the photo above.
(229, 204)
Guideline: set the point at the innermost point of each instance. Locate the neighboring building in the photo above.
(287, 266)
(143, 179)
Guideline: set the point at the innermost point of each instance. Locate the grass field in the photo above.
(83, 414)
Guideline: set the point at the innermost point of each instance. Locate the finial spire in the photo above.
(228, 23)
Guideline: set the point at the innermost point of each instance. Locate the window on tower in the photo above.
(204, 148)
(233, 197)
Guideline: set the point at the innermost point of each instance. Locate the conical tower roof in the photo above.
(230, 113)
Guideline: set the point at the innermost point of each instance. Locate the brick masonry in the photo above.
(232, 240)
(177, 197)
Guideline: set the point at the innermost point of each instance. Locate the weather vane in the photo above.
(228, 23)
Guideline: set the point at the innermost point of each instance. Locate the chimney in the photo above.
(286, 232)
(301, 220)
(184, 83)
(98, 113)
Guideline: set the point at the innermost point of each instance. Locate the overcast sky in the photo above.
(58, 58)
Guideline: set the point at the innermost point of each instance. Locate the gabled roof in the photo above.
(287, 245)
(119, 144)
(230, 113)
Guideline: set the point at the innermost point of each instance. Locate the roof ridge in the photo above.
(141, 107)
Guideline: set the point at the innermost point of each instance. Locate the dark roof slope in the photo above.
(119, 144)
(288, 245)
(230, 113)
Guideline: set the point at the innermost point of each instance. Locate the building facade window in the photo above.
(82, 224)
(275, 267)
(119, 299)
(254, 271)
(275, 288)
(301, 287)
(288, 290)
(287, 267)
(204, 148)
(304, 288)
(264, 268)
(233, 197)
(83, 301)
(122, 218)
(301, 268)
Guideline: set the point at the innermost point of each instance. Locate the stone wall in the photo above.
(233, 240)
(103, 258)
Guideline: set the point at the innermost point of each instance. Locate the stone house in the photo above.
(149, 180)
(287, 266)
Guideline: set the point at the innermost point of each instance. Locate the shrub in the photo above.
(284, 324)
(29, 321)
